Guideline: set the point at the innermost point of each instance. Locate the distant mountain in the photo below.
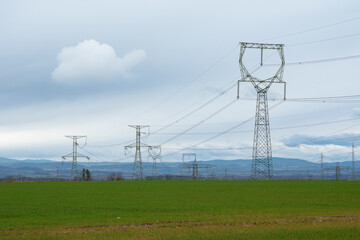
(6, 161)
(283, 168)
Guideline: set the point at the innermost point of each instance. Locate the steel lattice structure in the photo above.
(154, 153)
(74, 155)
(262, 166)
(194, 166)
(337, 169)
(138, 171)
(353, 162)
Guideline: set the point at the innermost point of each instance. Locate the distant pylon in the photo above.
(138, 171)
(193, 165)
(154, 153)
(322, 166)
(353, 163)
(338, 170)
(74, 155)
(262, 166)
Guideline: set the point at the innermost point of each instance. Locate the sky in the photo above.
(94, 67)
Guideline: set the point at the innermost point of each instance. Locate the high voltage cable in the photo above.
(293, 63)
(229, 52)
(322, 40)
(208, 149)
(273, 129)
(199, 123)
(219, 60)
(110, 145)
(192, 80)
(312, 29)
(333, 99)
(203, 105)
(221, 133)
(317, 61)
(92, 154)
(197, 109)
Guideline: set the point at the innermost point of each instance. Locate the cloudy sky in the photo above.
(94, 67)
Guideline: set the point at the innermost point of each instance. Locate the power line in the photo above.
(323, 40)
(199, 123)
(195, 110)
(186, 84)
(312, 29)
(317, 61)
(110, 145)
(332, 99)
(221, 133)
(92, 154)
(273, 129)
(205, 104)
(208, 149)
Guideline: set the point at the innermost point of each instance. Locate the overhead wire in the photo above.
(310, 62)
(192, 80)
(316, 61)
(110, 145)
(272, 129)
(312, 29)
(326, 99)
(199, 123)
(219, 60)
(221, 133)
(195, 110)
(323, 40)
(203, 105)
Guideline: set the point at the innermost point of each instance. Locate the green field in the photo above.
(181, 210)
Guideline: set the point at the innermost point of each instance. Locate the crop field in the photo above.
(180, 210)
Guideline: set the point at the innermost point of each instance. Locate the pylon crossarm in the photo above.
(75, 137)
(130, 146)
(67, 155)
(82, 156)
(143, 145)
(262, 45)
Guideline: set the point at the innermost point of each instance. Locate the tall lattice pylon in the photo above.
(154, 154)
(75, 155)
(322, 166)
(262, 166)
(138, 171)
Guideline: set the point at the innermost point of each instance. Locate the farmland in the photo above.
(181, 210)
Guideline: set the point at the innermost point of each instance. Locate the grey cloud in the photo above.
(341, 140)
(91, 61)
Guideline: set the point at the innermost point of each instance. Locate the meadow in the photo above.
(180, 210)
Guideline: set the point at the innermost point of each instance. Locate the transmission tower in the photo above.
(322, 166)
(75, 155)
(154, 153)
(138, 171)
(262, 166)
(337, 169)
(353, 162)
(194, 166)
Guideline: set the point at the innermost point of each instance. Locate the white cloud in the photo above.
(92, 61)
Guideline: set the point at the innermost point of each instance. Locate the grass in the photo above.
(181, 210)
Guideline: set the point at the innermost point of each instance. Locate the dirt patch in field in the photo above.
(79, 230)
